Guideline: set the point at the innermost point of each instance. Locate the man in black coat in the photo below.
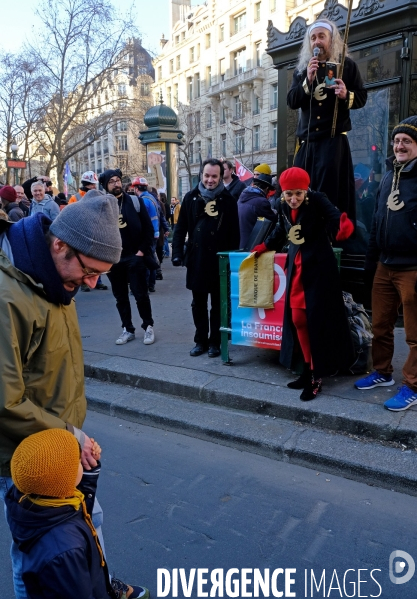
(136, 232)
(327, 160)
(231, 181)
(209, 217)
(391, 261)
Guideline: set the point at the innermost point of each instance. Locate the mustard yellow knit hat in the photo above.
(263, 168)
(46, 463)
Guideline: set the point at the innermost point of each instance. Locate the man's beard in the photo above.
(116, 191)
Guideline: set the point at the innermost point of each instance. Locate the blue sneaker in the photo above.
(374, 380)
(404, 399)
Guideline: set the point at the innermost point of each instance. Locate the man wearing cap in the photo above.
(88, 181)
(327, 160)
(209, 217)
(42, 265)
(136, 232)
(392, 259)
(8, 198)
(140, 189)
(253, 204)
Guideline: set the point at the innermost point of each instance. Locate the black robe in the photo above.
(328, 161)
(328, 327)
(207, 235)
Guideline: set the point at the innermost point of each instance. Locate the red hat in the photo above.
(8, 193)
(294, 178)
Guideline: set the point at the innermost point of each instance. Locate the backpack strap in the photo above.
(136, 202)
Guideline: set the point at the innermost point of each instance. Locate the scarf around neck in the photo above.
(210, 194)
(32, 256)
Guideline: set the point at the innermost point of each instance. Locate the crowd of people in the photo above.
(51, 247)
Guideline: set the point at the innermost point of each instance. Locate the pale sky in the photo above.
(19, 17)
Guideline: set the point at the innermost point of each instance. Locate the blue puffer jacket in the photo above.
(60, 556)
(251, 205)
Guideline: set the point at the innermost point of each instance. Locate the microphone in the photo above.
(316, 52)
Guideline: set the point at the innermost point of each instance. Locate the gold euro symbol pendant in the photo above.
(210, 208)
(394, 203)
(122, 225)
(294, 235)
(319, 92)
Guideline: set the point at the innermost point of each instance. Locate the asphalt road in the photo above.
(172, 501)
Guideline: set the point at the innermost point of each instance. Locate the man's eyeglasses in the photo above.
(88, 272)
(405, 142)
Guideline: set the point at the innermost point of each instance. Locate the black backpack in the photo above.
(361, 332)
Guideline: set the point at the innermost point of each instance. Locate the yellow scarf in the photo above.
(76, 501)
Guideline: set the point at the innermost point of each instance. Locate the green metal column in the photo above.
(282, 120)
(224, 306)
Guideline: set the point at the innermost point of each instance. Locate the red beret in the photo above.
(8, 193)
(294, 178)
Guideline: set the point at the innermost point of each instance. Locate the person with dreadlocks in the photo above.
(327, 160)
(49, 514)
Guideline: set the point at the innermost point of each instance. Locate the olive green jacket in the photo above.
(41, 362)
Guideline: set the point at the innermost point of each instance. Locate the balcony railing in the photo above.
(233, 82)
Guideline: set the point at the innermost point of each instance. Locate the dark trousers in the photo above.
(151, 274)
(392, 288)
(199, 307)
(131, 271)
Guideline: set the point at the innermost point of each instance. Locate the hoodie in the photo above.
(235, 187)
(60, 556)
(252, 205)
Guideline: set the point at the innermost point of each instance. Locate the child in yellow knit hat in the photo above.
(50, 523)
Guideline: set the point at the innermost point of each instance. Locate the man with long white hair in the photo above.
(327, 160)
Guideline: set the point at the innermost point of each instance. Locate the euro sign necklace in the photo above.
(122, 224)
(394, 202)
(295, 233)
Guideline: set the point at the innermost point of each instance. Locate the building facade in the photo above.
(127, 96)
(213, 70)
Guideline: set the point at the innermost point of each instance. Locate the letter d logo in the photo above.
(396, 568)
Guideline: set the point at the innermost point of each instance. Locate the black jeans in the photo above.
(199, 308)
(131, 270)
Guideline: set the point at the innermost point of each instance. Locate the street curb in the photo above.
(327, 412)
(368, 462)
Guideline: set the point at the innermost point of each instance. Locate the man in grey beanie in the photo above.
(42, 265)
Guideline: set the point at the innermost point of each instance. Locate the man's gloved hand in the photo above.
(346, 228)
(176, 261)
(259, 249)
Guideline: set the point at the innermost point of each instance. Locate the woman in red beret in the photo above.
(314, 309)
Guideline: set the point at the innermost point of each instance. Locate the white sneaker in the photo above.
(149, 336)
(125, 337)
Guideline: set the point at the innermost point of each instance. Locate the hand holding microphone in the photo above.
(313, 65)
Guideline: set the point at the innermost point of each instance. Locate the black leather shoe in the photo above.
(198, 350)
(213, 351)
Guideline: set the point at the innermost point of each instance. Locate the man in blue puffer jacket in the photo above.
(253, 203)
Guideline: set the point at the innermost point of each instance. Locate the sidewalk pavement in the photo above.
(162, 385)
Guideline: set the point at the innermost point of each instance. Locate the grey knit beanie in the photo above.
(91, 226)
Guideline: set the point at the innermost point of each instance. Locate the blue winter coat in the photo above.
(251, 205)
(60, 556)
